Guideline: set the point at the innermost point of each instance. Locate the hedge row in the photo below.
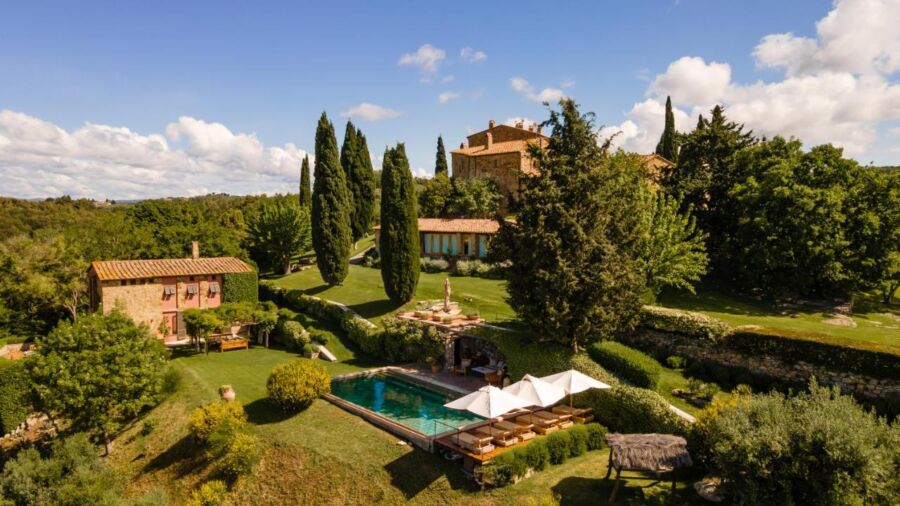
(554, 449)
(15, 403)
(240, 287)
(683, 322)
(636, 367)
(632, 410)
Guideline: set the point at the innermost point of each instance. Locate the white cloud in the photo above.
(448, 79)
(550, 95)
(469, 55)
(837, 87)
(39, 159)
(448, 96)
(371, 112)
(427, 58)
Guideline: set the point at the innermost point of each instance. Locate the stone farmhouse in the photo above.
(454, 237)
(158, 290)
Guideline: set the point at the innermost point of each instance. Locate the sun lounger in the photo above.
(541, 425)
(521, 431)
(477, 444)
(552, 417)
(502, 437)
(579, 415)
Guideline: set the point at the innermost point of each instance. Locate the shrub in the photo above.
(372, 257)
(478, 268)
(240, 287)
(364, 333)
(596, 436)
(624, 408)
(15, 399)
(688, 323)
(291, 335)
(675, 362)
(579, 443)
(149, 426)
(295, 385)
(699, 393)
(236, 454)
(319, 336)
(508, 467)
(211, 493)
(818, 447)
(631, 364)
(406, 340)
(536, 456)
(559, 446)
(207, 419)
(433, 264)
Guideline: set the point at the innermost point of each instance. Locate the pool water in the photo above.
(405, 402)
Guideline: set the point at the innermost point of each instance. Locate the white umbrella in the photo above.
(574, 382)
(536, 391)
(489, 402)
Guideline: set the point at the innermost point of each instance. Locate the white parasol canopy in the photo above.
(489, 402)
(536, 391)
(574, 382)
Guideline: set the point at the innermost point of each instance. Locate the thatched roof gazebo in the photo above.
(648, 453)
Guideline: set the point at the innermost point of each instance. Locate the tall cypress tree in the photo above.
(330, 208)
(305, 189)
(399, 239)
(362, 189)
(668, 142)
(440, 163)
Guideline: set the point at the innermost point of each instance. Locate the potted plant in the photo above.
(227, 393)
(435, 364)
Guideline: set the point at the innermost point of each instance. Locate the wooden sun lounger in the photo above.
(522, 431)
(477, 444)
(541, 425)
(501, 436)
(579, 415)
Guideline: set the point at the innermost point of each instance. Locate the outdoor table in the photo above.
(485, 370)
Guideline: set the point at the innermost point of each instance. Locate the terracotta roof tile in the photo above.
(137, 269)
(496, 148)
(457, 225)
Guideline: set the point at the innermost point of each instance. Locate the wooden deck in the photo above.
(449, 442)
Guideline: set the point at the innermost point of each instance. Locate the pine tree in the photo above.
(440, 163)
(330, 208)
(668, 142)
(362, 189)
(399, 239)
(305, 189)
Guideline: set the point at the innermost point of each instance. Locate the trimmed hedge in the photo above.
(636, 367)
(15, 402)
(294, 385)
(240, 287)
(630, 409)
(554, 449)
(683, 322)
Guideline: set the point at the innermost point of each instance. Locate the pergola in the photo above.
(653, 453)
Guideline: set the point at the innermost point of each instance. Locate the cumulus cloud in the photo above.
(550, 95)
(448, 96)
(469, 55)
(39, 159)
(427, 59)
(371, 112)
(837, 87)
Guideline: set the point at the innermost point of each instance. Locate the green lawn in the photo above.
(324, 455)
(875, 323)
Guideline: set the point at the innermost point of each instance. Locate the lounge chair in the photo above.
(522, 431)
(579, 415)
(541, 425)
(477, 444)
(503, 437)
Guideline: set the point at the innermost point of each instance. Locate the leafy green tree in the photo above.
(331, 232)
(434, 196)
(668, 142)
(200, 324)
(440, 162)
(361, 181)
(673, 252)
(399, 238)
(574, 276)
(277, 233)
(473, 198)
(305, 186)
(98, 372)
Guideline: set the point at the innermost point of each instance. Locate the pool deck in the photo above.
(446, 379)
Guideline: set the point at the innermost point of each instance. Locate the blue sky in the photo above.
(131, 70)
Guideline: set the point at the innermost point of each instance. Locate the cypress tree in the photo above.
(330, 208)
(440, 163)
(668, 142)
(362, 189)
(399, 239)
(305, 189)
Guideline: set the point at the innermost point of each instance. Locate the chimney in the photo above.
(490, 140)
(462, 145)
(539, 129)
(195, 250)
(520, 124)
(490, 124)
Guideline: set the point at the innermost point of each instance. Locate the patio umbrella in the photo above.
(536, 391)
(489, 402)
(574, 382)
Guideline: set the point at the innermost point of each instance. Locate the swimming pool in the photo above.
(399, 399)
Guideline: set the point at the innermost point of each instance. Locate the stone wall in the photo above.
(504, 168)
(140, 302)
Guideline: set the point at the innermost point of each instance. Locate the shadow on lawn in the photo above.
(415, 471)
(263, 411)
(375, 308)
(578, 491)
(183, 457)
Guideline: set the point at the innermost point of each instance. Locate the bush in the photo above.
(319, 336)
(629, 409)
(211, 493)
(212, 417)
(674, 362)
(372, 258)
(237, 454)
(478, 268)
(295, 385)
(818, 447)
(537, 456)
(149, 426)
(15, 398)
(433, 264)
(636, 367)
(579, 444)
(596, 436)
(406, 340)
(683, 322)
(364, 333)
(291, 335)
(240, 287)
(559, 445)
(699, 393)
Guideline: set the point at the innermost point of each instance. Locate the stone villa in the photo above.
(158, 290)
(454, 237)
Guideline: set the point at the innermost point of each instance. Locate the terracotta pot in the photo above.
(226, 393)
(435, 368)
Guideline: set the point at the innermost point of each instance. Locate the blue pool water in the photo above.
(410, 404)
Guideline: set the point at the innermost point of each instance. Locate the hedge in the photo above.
(688, 323)
(15, 405)
(240, 287)
(554, 449)
(294, 385)
(629, 409)
(636, 367)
